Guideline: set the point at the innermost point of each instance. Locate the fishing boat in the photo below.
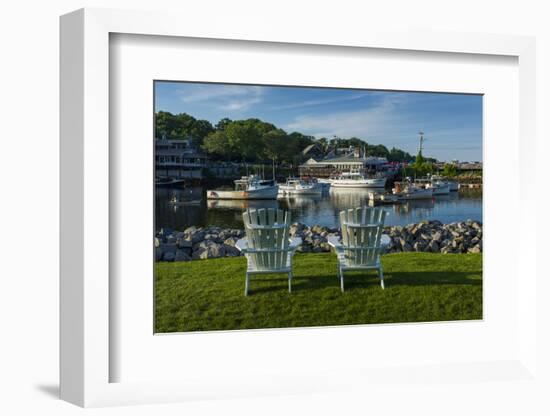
(383, 198)
(409, 191)
(297, 186)
(248, 187)
(439, 187)
(453, 185)
(356, 180)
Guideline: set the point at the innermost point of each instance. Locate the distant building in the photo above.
(178, 159)
(470, 166)
(349, 161)
(462, 166)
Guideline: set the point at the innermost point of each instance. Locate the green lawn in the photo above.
(208, 294)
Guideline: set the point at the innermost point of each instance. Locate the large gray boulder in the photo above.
(231, 251)
(230, 241)
(168, 247)
(169, 256)
(209, 250)
(158, 254)
(182, 243)
(181, 255)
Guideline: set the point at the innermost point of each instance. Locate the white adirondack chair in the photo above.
(362, 241)
(267, 246)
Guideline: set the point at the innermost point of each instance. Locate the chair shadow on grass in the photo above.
(363, 280)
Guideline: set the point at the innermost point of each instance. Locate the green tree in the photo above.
(449, 170)
(217, 144)
(276, 143)
(181, 126)
(324, 144)
(398, 155)
(421, 167)
(222, 124)
(244, 138)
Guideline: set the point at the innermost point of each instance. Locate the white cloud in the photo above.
(311, 103)
(224, 97)
(383, 118)
(392, 120)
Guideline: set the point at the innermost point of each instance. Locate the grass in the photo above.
(208, 294)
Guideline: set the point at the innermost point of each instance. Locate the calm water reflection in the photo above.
(323, 210)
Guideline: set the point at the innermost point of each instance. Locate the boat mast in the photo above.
(421, 133)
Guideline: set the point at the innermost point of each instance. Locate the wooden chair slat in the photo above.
(268, 243)
(362, 230)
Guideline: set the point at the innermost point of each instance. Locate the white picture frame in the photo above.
(86, 356)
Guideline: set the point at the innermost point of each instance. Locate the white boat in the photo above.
(453, 185)
(324, 183)
(356, 180)
(383, 198)
(296, 186)
(248, 187)
(439, 187)
(410, 192)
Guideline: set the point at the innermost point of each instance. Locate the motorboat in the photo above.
(439, 187)
(356, 180)
(383, 198)
(410, 191)
(248, 187)
(297, 186)
(454, 186)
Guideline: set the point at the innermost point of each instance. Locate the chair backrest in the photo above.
(267, 233)
(361, 234)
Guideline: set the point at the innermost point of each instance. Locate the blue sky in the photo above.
(452, 123)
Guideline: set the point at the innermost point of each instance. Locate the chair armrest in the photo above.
(295, 242)
(334, 242)
(241, 245)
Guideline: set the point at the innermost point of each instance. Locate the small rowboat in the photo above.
(182, 203)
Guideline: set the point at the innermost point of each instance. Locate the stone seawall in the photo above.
(195, 243)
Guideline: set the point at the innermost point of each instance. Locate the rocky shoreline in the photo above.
(195, 243)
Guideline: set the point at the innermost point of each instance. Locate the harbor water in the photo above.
(311, 210)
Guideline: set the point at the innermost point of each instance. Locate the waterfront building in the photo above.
(178, 159)
(336, 162)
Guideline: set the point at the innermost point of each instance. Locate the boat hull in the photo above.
(367, 183)
(315, 190)
(265, 193)
(442, 189)
(383, 198)
(420, 194)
